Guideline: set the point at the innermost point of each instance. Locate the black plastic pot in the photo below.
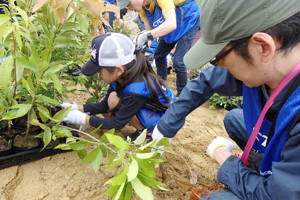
(17, 149)
(6, 139)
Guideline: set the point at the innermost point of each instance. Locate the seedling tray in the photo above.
(28, 156)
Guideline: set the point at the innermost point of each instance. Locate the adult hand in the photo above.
(106, 16)
(65, 105)
(156, 134)
(141, 39)
(75, 117)
(218, 142)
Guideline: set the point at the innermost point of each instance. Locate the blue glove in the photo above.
(75, 117)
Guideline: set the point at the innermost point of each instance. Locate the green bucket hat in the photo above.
(223, 21)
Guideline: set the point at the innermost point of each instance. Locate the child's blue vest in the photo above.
(252, 109)
(144, 114)
(186, 17)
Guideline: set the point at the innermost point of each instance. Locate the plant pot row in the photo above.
(19, 143)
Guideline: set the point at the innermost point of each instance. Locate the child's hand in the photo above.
(75, 117)
(65, 105)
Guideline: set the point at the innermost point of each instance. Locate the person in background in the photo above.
(254, 49)
(109, 17)
(136, 95)
(176, 22)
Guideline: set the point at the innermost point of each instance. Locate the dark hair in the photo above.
(141, 69)
(287, 32)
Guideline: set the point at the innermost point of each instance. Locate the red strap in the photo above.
(270, 101)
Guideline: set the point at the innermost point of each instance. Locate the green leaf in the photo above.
(17, 34)
(117, 141)
(119, 191)
(28, 86)
(43, 66)
(26, 64)
(60, 115)
(46, 56)
(148, 144)
(35, 57)
(94, 131)
(47, 136)
(91, 100)
(162, 142)
(128, 192)
(54, 69)
(79, 145)
(62, 132)
(5, 30)
(112, 164)
(104, 138)
(118, 180)
(12, 114)
(19, 69)
(45, 99)
(142, 137)
(146, 155)
(4, 19)
(97, 161)
(113, 190)
(150, 182)
(82, 153)
(44, 111)
(6, 69)
(62, 147)
(132, 170)
(23, 109)
(23, 15)
(143, 191)
(57, 83)
(146, 168)
(91, 156)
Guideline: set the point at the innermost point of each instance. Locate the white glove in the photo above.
(141, 39)
(75, 117)
(157, 135)
(65, 105)
(218, 142)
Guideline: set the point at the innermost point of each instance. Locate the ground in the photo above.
(60, 177)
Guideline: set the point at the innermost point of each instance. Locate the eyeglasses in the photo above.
(215, 60)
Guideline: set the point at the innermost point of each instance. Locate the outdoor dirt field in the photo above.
(61, 178)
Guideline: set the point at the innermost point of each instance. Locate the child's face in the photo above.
(111, 76)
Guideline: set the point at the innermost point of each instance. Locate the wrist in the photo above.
(87, 119)
(221, 153)
(150, 36)
(80, 108)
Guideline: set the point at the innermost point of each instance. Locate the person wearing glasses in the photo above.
(254, 49)
(176, 22)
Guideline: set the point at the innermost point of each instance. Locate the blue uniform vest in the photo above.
(186, 17)
(252, 109)
(144, 114)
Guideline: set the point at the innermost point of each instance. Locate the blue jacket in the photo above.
(244, 182)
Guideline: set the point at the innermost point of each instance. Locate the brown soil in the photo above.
(3, 143)
(22, 141)
(60, 176)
